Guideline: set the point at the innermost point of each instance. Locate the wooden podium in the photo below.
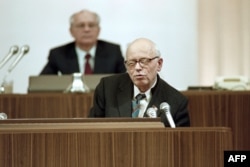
(206, 109)
(110, 143)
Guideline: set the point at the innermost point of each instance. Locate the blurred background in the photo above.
(199, 39)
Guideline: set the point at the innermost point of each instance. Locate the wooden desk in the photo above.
(207, 109)
(222, 108)
(79, 144)
(46, 105)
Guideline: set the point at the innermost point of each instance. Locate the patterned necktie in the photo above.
(136, 105)
(88, 69)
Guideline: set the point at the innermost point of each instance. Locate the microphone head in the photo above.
(25, 49)
(164, 106)
(14, 49)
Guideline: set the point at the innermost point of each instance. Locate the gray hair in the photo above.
(156, 50)
(71, 19)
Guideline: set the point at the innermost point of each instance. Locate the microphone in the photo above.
(152, 112)
(13, 50)
(166, 109)
(3, 116)
(24, 50)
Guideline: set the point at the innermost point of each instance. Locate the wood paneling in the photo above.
(207, 109)
(46, 105)
(222, 108)
(66, 146)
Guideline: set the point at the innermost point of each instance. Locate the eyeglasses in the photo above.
(82, 25)
(143, 62)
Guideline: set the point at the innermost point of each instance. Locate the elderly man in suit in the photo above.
(114, 95)
(87, 54)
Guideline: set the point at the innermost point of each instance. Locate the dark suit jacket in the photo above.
(113, 97)
(108, 59)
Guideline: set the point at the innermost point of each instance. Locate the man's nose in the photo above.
(138, 65)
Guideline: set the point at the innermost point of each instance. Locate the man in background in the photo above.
(86, 54)
(131, 94)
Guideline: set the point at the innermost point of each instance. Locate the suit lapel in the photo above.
(156, 93)
(72, 59)
(99, 55)
(123, 97)
(157, 96)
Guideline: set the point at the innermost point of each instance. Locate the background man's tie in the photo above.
(136, 105)
(88, 69)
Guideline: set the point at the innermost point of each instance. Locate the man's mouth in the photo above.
(139, 76)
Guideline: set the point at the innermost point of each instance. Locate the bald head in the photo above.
(142, 45)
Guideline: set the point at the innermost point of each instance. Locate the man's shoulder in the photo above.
(117, 77)
(107, 43)
(64, 46)
(112, 82)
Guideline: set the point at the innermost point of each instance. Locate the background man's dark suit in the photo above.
(108, 59)
(113, 98)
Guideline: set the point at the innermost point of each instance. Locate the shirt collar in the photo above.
(92, 51)
(147, 93)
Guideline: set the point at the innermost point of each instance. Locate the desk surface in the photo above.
(56, 125)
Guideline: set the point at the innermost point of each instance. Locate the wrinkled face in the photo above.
(85, 28)
(142, 64)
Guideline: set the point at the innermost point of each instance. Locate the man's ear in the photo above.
(71, 31)
(160, 62)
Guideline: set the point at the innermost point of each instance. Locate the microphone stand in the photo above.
(7, 87)
(13, 50)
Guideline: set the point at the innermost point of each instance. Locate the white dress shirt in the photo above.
(81, 58)
(144, 102)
